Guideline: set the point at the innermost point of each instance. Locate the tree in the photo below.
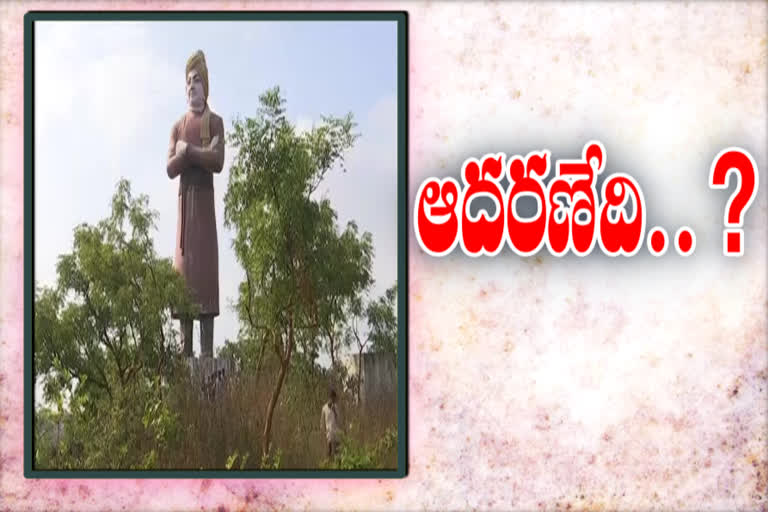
(348, 260)
(382, 321)
(105, 326)
(353, 334)
(296, 264)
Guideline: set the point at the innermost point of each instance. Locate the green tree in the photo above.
(348, 261)
(354, 335)
(103, 334)
(298, 268)
(374, 326)
(382, 322)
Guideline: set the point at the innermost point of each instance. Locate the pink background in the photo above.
(536, 383)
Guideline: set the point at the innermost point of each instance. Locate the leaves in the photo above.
(271, 461)
(356, 455)
(299, 269)
(297, 262)
(382, 320)
(231, 460)
(103, 336)
(107, 318)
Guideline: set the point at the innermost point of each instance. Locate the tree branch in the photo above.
(104, 336)
(105, 383)
(250, 293)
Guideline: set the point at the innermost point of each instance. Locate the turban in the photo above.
(197, 62)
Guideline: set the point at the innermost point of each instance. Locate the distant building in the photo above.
(379, 376)
(205, 367)
(211, 373)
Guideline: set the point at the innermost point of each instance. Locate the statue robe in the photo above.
(197, 251)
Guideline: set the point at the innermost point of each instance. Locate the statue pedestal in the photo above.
(209, 368)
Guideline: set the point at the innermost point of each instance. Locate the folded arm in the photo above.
(175, 160)
(211, 157)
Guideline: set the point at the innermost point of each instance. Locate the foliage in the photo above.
(271, 461)
(190, 431)
(129, 432)
(106, 322)
(382, 320)
(298, 267)
(356, 455)
(233, 458)
(104, 344)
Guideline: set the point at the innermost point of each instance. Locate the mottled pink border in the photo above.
(17, 493)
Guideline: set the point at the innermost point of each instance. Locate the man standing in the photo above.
(331, 422)
(196, 151)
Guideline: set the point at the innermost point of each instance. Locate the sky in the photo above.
(107, 94)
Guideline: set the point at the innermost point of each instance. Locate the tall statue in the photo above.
(195, 153)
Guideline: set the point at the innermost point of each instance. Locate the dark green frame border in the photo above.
(401, 18)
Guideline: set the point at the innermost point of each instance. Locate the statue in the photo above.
(195, 153)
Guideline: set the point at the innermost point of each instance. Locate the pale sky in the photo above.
(107, 94)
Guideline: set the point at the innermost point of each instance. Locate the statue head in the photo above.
(197, 82)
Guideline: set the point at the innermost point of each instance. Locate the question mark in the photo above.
(738, 160)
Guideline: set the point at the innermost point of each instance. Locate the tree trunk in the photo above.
(271, 407)
(359, 373)
(261, 358)
(284, 365)
(331, 345)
